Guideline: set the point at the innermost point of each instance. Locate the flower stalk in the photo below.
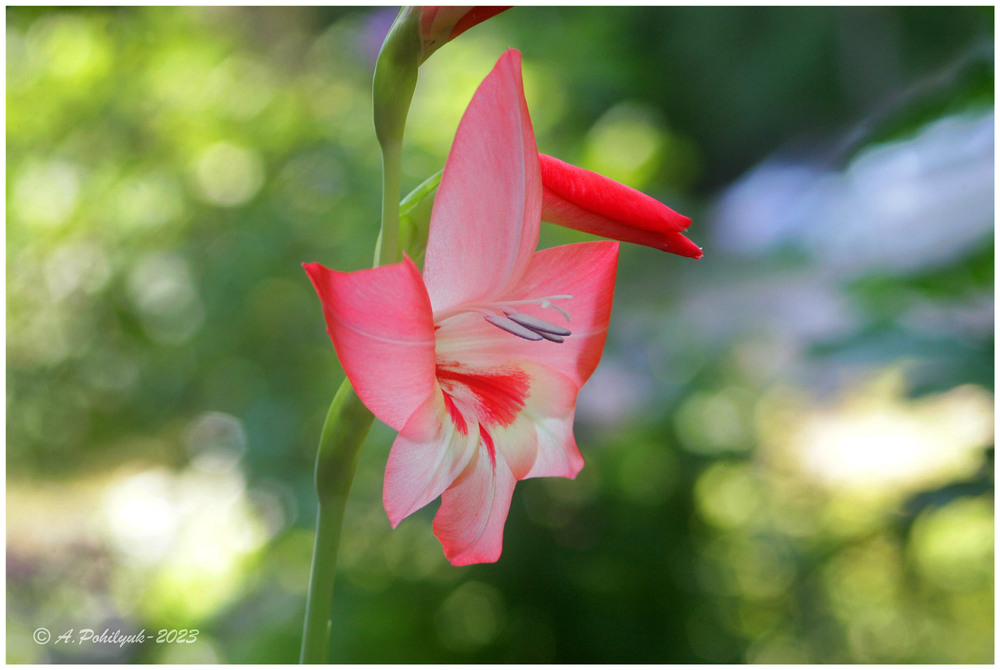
(348, 420)
(347, 424)
(392, 90)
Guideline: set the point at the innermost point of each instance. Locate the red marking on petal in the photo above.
(456, 416)
(496, 395)
(488, 441)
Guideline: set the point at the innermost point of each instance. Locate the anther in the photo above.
(513, 327)
(550, 337)
(536, 324)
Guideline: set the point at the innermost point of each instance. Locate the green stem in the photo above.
(392, 90)
(348, 421)
(388, 250)
(347, 424)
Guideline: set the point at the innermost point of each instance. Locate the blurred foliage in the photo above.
(789, 457)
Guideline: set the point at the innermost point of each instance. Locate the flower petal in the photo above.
(584, 200)
(587, 272)
(381, 325)
(517, 444)
(558, 454)
(550, 408)
(430, 452)
(487, 210)
(473, 510)
(539, 443)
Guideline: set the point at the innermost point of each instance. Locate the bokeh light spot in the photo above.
(139, 515)
(953, 546)
(715, 423)
(74, 49)
(728, 494)
(216, 442)
(875, 439)
(625, 144)
(470, 617)
(228, 175)
(79, 266)
(163, 292)
(148, 201)
(45, 193)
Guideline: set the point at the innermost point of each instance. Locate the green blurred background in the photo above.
(789, 444)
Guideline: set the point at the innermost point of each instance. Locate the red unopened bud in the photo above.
(584, 200)
(439, 25)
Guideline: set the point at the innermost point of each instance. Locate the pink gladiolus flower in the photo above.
(478, 362)
(439, 25)
(584, 200)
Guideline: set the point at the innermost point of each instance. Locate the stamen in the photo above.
(536, 324)
(550, 337)
(524, 326)
(513, 327)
